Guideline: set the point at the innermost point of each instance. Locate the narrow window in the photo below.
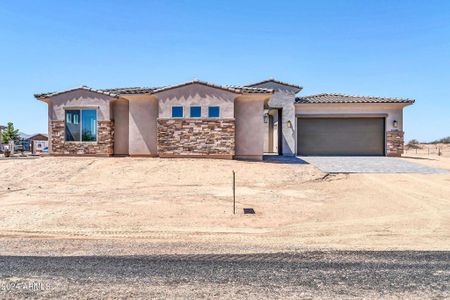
(196, 112)
(177, 111)
(72, 125)
(89, 124)
(213, 112)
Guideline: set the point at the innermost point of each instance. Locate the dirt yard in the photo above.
(186, 205)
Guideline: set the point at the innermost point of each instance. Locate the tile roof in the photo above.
(132, 90)
(276, 81)
(342, 98)
(229, 88)
(83, 87)
(251, 90)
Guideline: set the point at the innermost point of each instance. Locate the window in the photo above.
(81, 125)
(213, 112)
(177, 111)
(196, 112)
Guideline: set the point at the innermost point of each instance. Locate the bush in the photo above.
(413, 144)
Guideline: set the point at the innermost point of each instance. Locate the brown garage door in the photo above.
(340, 136)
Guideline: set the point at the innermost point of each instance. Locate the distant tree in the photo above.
(413, 144)
(10, 134)
(445, 140)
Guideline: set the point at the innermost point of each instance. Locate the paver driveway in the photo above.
(367, 164)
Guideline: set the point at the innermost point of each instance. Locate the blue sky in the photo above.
(382, 48)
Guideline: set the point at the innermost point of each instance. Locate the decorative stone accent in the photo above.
(103, 147)
(394, 143)
(189, 137)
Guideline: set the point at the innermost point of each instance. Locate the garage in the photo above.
(340, 136)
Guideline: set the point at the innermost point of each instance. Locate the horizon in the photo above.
(387, 49)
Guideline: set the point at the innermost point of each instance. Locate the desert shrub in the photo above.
(413, 144)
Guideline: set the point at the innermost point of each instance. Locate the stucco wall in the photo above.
(120, 110)
(196, 95)
(393, 111)
(75, 99)
(249, 112)
(284, 97)
(80, 99)
(143, 114)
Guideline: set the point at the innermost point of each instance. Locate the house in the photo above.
(38, 143)
(200, 119)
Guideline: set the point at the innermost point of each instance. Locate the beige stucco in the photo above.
(196, 95)
(143, 115)
(79, 99)
(390, 111)
(250, 127)
(284, 98)
(120, 109)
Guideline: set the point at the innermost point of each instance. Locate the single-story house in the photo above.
(38, 143)
(200, 119)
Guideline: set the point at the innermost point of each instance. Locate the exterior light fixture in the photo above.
(266, 118)
(395, 123)
(289, 124)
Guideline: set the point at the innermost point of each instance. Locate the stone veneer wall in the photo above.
(192, 137)
(103, 147)
(394, 143)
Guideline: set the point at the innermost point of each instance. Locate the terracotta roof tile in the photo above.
(83, 87)
(342, 98)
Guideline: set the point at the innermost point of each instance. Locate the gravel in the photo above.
(308, 274)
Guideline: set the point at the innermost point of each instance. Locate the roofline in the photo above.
(44, 96)
(231, 89)
(277, 81)
(171, 87)
(381, 100)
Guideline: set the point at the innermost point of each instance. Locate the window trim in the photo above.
(190, 112)
(81, 124)
(171, 112)
(218, 117)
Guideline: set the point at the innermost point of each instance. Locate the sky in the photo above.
(377, 48)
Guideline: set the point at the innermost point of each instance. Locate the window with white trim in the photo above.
(177, 112)
(214, 112)
(196, 111)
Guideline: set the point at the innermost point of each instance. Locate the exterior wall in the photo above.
(195, 137)
(249, 112)
(392, 112)
(284, 97)
(74, 100)
(120, 110)
(103, 147)
(196, 95)
(80, 99)
(143, 115)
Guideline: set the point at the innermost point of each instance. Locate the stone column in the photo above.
(394, 143)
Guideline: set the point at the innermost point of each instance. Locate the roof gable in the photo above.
(194, 82)
(267, 82)
(44, 96)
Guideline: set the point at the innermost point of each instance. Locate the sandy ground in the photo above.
(185, 205)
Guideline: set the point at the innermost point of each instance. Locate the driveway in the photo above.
(368, 164)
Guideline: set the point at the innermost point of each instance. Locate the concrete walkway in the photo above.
(368, 164)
